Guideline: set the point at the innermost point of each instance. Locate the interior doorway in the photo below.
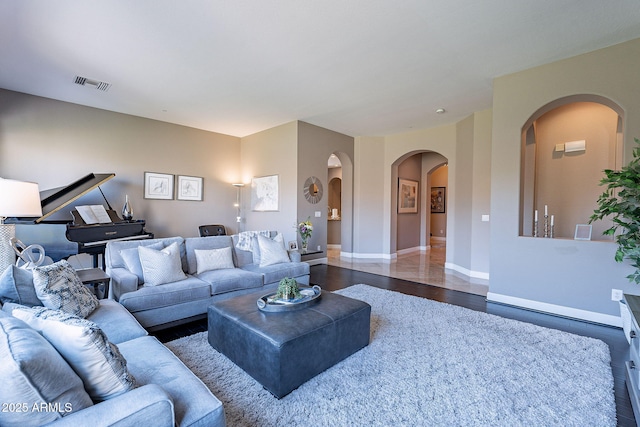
(412, 229)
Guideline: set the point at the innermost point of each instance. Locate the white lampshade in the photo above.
(19, 199)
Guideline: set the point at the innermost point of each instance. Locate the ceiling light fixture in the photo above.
(440, 111)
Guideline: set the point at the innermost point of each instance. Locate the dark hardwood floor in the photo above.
(333, 278)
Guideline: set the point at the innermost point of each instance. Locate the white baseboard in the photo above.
(438, 239)
(368, 256)
(467, 272)
(412, 250)
(575, 313)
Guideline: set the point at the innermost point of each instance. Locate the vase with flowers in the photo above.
(305, 228)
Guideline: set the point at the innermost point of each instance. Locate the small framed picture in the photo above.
(438, 199)
(583, 232)
(407, 196)
(158, 186)
(293, 245)
(189, 188)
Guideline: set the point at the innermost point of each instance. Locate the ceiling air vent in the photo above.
(95, 84)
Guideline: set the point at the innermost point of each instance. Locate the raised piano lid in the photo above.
(55, 199)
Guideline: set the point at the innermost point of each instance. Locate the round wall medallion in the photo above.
(312, 190)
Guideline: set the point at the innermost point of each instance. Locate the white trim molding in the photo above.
(574, 313)
(467, 272)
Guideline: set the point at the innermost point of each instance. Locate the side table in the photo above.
(95, 277)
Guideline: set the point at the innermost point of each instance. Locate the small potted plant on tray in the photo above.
(288, 289)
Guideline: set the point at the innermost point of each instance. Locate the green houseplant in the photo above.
(288, 289)
(621, 202)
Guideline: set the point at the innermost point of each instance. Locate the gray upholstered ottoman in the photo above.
(282, 350)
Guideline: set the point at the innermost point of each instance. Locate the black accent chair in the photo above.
(212, 230)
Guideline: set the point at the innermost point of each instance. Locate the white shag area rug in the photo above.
(428, 364)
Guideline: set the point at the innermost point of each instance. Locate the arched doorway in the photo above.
(340, 189)
(411, 228)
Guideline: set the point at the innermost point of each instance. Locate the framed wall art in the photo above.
(189, 188)
(407, 196)
(438, 199)
(264, 193)
(158, 186)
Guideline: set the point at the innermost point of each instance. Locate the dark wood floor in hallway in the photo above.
(333, 278)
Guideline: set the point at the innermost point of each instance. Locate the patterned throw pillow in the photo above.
(213, 259)
(85, 347)
(160, 267)
(272, 251)
(59, 288)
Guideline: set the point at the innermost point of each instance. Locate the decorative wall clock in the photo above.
(312, 190)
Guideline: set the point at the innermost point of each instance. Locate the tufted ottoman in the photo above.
(282, 350)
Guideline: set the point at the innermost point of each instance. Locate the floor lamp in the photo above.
(238, 204)
(17, 199)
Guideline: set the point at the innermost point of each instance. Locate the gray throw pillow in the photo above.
(33, 372)
(160, 267)
(59, 288)
(16, 285)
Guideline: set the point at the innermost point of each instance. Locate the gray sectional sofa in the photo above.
(40, 388)
(188, 296)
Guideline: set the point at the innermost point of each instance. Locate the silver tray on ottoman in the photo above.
(309, 296)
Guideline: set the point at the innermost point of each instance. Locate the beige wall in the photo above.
(559, 275)
(55, 143)
(569, 182)
(272, 152)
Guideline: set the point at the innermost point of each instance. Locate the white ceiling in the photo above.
(360, 67)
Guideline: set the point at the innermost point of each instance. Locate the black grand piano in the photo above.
(91, 238)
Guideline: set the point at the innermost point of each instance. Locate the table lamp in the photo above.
(17, 199)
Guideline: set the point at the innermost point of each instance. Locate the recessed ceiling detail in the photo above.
(94, 84)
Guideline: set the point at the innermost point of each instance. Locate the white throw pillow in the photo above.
(272, 251)
(59, 288)
(213, 259)
(132, 259)
(160, 267)
(85, 347)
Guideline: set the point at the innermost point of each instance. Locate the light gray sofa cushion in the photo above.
(32, 371)
(276, 272)
(116, 322)
(152, 363)
(16, 285)
(230, 279)
(113, 256)
(151, 297)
